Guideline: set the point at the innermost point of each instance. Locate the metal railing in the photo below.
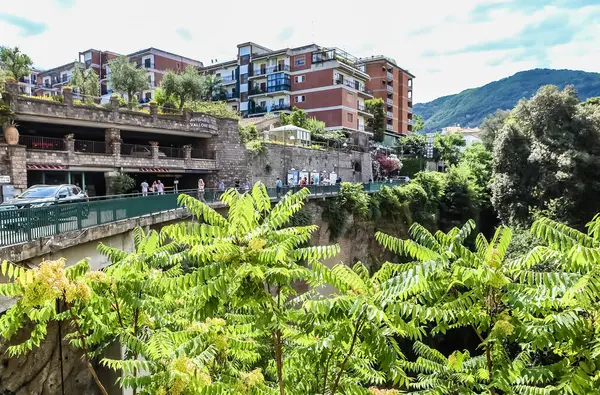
(43, 143)
(389, 127)
(203, 154)
(390, 89)
(172, 152)
(91, 147)
(390, 102)
(138, 150)
(390, 114)
(271, 69)
(20, 225)
(361, 107)
(390, 76)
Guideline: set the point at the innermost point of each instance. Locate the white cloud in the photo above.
(363, 29)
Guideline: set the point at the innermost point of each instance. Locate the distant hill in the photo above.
(470, 107)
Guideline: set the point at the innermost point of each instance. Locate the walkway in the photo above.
(28, 224)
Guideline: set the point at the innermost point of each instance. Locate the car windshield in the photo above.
(40, 192)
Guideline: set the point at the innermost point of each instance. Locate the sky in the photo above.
(448, 45)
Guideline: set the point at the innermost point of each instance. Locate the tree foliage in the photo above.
(377, 123)
(127, 78)
(491, 126)
(448, 147)
(15, 62)
(87, 82)
(188, 86)
(298, 117)
(545, 158)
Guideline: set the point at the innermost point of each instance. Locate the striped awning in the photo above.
(46, 167)
(153, 170)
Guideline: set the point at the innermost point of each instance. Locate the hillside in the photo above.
(470, 107)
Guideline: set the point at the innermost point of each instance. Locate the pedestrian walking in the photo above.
(154, 187)
(160, 187)
(201, 190)
(144, 186)
(246, 186)
(278, 186)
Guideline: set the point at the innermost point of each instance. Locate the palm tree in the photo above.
(213, 87)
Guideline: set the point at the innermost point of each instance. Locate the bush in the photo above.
(123, 183)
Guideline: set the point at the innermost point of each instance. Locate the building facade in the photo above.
(394, 86)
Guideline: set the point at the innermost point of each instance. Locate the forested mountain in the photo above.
(469, 107)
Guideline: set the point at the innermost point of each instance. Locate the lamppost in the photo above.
(338, 160)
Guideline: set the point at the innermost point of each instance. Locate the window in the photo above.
(349, 97)
(234, 108)
(300, 78)
(300, 99)
(244, 96)
(281, 102)
(244, 79)
(300, 60)
(178, 65)
(147, 63)
(148, 96)
(350, 117)
(244, 59)
(65, 191)
(278, 82)
(263, 103)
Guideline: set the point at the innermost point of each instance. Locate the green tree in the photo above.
(15, 62)
(127, 78)
(185, 87)
(413, 144)
(213, 87)
(87, 81)
(449, 147)
(122, 183)
(418, 125)
(491, 126)
(377, 123)
(545, 158)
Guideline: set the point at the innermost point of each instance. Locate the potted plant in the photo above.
(11, 134)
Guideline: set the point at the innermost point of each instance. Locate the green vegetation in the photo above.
(211, 306)
(217, 109)
(471, 106)
(317, 130)
(546, 160)
(377, 123)
(15, 63)
(122, 183)
(126, 78)
(213, 87)
(184, 87)
(87, 82)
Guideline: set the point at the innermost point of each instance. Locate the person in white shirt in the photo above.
(144, 188)
(160, 187)
(201, 190)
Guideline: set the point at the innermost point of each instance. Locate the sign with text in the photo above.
(4, 179)
(201, 123)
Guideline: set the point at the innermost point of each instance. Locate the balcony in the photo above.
(228, 80)
(390, 114)
(269, 70)
(389, 102)
(389, 127)
(354, 85)
(409, 109)
(145, 65)
(269, 91)
(226, 96)
(390, 76)
(390, 89)
(411, 122)
(266, 109)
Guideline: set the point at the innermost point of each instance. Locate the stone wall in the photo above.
(113, 116)
(354, 166)
(232, 158)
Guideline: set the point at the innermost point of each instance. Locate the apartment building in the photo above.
(228, 72)
(28, 84)
(50, 82)
(394, 86)
(155, 61)
(327, 83)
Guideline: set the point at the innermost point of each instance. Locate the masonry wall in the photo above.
(354, 166)
(232, 158)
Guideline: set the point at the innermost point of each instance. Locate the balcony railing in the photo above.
(390, 76)
(361, 127)
(257, 91)
(389, 102)
(278, 88)
(272, 69)
(361, 107)
(353, 84)
(390, 114)
(43, 143)
(389, 127)
(411, 122)
(257, 110)
(91, 147)
(409, 110)
(145, 65)
(203, 154)
(227, 79)
(390, 89)
(226, 96)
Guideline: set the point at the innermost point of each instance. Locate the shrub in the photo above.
(123, 183)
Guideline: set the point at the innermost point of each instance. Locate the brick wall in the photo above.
(232, 160)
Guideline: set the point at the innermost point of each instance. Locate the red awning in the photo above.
(153, 170)
(46, 167)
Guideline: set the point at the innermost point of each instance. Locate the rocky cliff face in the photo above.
(39, 373)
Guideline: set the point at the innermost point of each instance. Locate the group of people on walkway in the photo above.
(157, 187)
